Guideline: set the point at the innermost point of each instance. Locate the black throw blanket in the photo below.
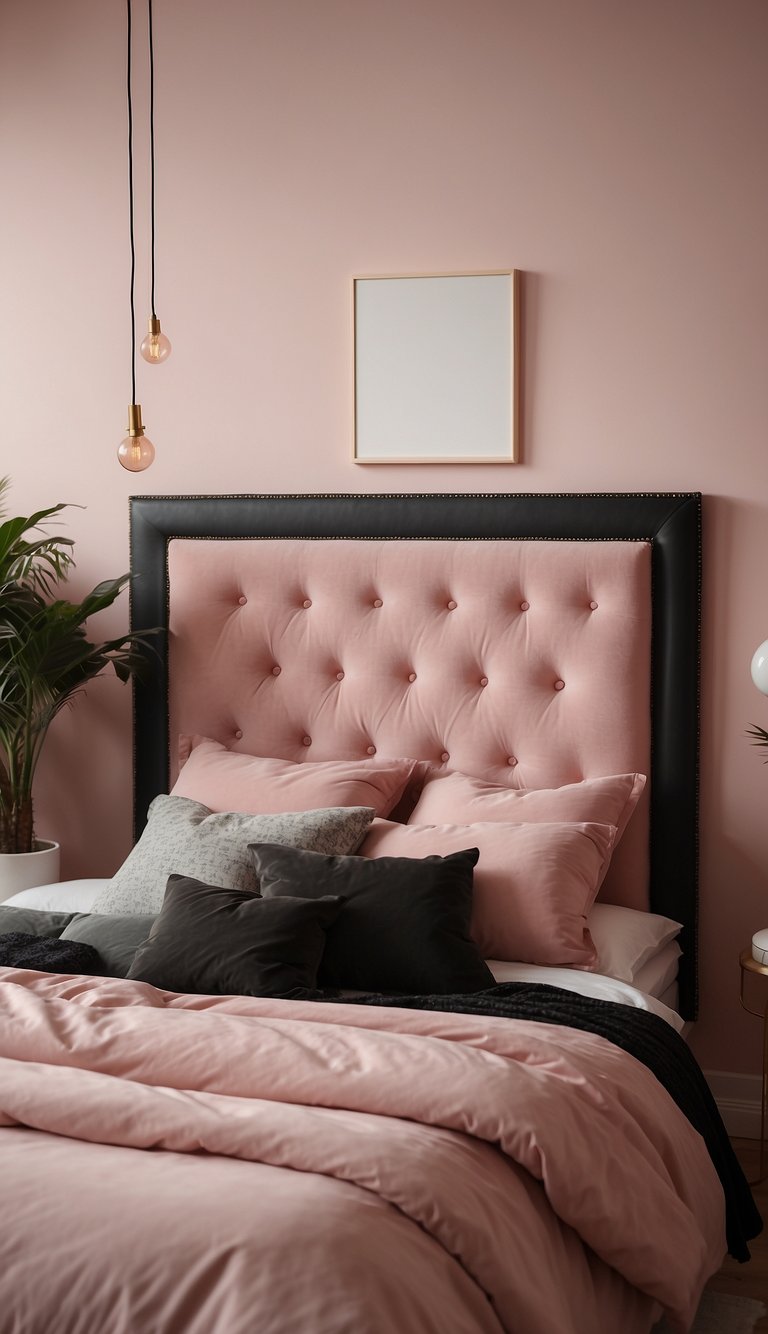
(645, 1036)
(20, 949)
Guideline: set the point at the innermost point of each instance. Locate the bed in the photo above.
(380, 1027)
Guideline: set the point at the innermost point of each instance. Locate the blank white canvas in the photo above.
(433, 367)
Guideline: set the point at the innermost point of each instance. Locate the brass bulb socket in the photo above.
(135, 424)
(154, 324)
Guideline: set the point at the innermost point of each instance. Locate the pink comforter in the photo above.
(202, 1165)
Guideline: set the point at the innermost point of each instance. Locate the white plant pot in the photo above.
(22, 870)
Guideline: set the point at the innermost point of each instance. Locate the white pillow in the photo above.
(626, 938)
(657, 975)
(64, 896)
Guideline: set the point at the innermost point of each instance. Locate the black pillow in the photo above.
(405, 926)
(218, 941)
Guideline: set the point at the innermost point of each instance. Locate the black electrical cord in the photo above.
(130, 202)
(152, 149)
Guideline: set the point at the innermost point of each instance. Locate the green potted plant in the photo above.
(46, 659)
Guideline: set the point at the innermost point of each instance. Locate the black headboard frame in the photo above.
(671, 522)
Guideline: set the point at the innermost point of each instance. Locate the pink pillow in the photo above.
(226, 780)
(533, 884)
(454, 797)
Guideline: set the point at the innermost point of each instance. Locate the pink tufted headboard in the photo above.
(526, 663)
(535, 640)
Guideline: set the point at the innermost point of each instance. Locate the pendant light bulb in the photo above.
(155, 346)
(136, 452)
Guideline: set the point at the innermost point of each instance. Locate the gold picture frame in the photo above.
(437, 367)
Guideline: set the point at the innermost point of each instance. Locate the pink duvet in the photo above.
(194, 1165)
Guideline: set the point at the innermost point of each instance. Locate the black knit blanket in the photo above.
(20, 949)
(645, 1036)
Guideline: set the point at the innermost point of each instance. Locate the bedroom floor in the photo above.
(749, 1280)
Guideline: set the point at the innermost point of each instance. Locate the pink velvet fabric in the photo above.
(225, 780)
(525, 663)
(533, 883)
(440, 1170)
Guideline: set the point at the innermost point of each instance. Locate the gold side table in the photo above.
(750, 965)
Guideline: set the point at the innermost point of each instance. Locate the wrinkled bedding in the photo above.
(214, 1165)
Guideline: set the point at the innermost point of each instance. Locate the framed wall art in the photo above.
(436, 368)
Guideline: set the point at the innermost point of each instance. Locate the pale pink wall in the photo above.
(616, 152)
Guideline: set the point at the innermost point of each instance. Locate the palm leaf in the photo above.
(759, 737)
(46, 657)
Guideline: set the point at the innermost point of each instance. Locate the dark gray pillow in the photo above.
(116, 938)
(33, 921)
(216, 941)
(405, 925)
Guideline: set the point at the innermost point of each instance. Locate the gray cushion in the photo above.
(32, 921)
(183, 837)
(116, 938)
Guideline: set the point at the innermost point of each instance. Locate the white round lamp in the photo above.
(759, 667)
(759, 670)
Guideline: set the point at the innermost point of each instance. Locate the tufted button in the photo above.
(242, 599)
(559, 685)
(451, 605)
(377, 602)
(525, 606)
(306, 741)
(411, 676)
(239, 733)
(371, 750)
(445, 756)
(512, 761)
(307, 602)
(276, 670)
(593, 605)
(339, 676)
(483, 680)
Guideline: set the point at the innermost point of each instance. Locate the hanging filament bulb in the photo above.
(155, 347)
(136, 452)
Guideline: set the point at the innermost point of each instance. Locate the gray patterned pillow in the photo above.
(183, 837)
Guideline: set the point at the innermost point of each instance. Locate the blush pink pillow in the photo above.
(455, 797)
(226, 780)
(533, 883)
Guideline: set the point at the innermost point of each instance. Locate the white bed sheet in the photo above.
(586, 984)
